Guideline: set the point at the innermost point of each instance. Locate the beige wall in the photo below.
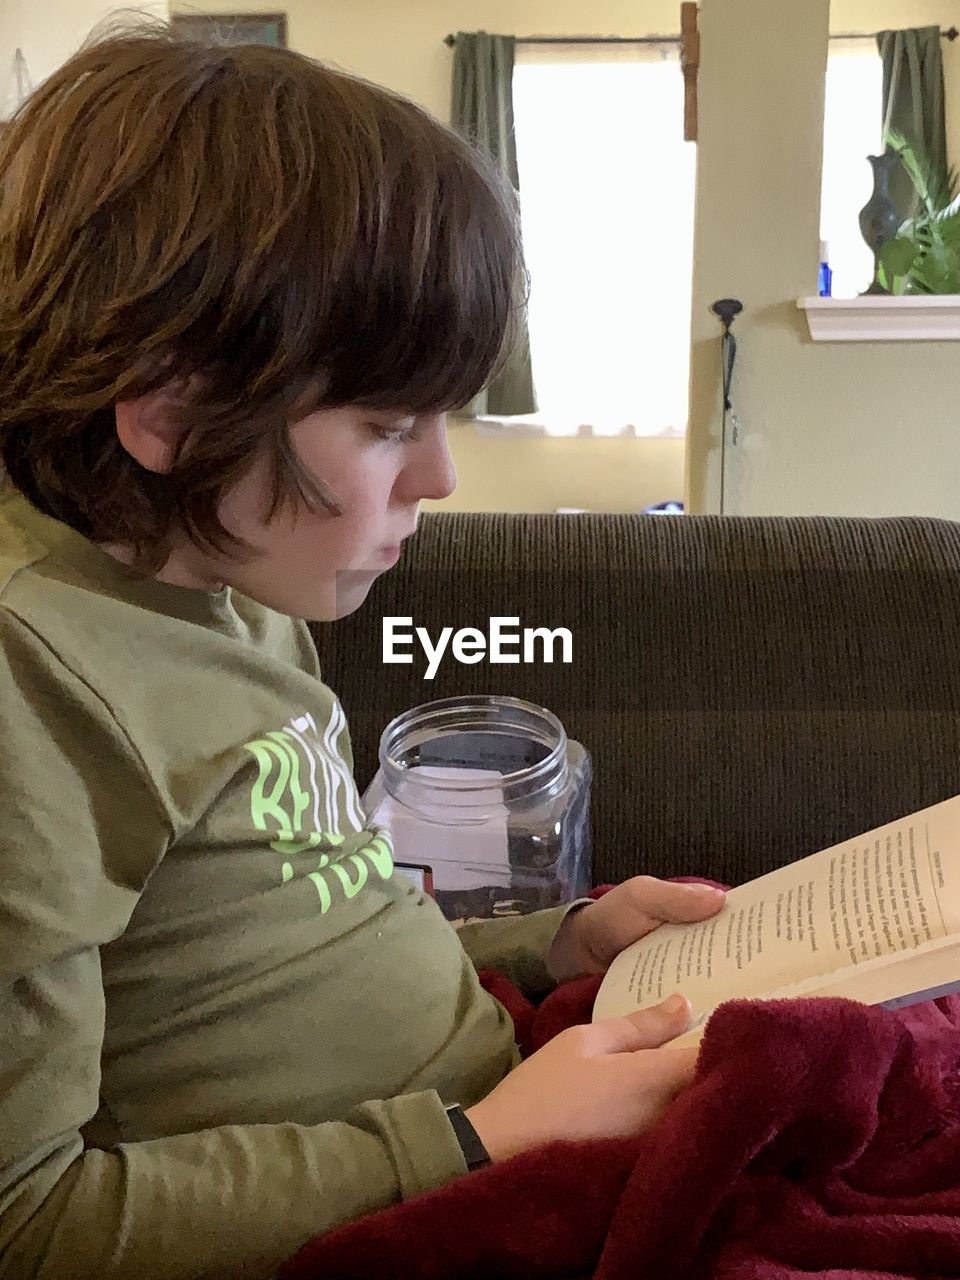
(862, 428)
(12, 37)
(501, 473)
(48, 31)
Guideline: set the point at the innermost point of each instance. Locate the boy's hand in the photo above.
(607, 1080)
(592, 937)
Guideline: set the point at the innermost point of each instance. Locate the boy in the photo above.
(237, 292)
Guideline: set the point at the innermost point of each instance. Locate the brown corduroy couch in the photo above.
(751, 689)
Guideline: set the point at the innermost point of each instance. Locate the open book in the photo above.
(875, 919)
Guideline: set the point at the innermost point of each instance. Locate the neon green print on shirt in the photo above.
(304, 792)
(269, 800)
(353, 871)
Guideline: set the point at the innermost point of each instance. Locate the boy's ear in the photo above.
(148, 430)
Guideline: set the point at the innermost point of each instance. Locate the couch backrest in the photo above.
(751, 689)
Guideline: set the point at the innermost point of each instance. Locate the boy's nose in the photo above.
(436, 476)
(444, 479)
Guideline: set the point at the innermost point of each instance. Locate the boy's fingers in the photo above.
(661, 900)
(645, 1029)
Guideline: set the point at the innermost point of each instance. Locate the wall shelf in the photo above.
(883, 319)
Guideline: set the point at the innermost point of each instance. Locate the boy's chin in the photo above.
(343, 597)
(351, 590)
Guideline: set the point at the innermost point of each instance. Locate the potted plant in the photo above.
(924, 257)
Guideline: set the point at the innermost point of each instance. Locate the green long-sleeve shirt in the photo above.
(227, 1023)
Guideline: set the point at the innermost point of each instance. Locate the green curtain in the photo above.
(913, 100)
(482, 110)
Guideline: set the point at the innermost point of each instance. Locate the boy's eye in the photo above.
(399, 434)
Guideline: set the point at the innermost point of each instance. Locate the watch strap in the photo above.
(474, 1152)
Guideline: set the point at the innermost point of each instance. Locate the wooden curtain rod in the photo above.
(951, 33)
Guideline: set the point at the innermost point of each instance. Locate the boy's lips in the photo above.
(389, 553)
(393, 549)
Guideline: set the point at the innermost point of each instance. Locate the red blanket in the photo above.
(820, 1137)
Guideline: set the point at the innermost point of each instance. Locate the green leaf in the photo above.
(936, 185)
(898, 256)
(939, 271)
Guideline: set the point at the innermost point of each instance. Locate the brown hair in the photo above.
(288, 233)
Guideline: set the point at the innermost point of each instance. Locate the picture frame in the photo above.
(234, 28)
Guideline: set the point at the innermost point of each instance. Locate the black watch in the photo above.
(474, 1152)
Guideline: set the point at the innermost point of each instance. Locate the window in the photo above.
(851, 132)
(607, 199)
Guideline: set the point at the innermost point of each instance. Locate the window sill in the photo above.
(527, 427)
(883, 319)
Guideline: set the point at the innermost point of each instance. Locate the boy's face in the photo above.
(376, 465)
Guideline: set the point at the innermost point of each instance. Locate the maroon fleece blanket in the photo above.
(820, 1138)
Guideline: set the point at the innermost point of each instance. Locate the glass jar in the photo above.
(487, 798)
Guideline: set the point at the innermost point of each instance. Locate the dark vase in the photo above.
(879, 218)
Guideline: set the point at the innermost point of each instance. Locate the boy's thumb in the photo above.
(645, 1029)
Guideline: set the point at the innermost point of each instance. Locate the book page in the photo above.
(902, 978)
(891, 890)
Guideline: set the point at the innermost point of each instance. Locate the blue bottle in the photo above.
(825, 275)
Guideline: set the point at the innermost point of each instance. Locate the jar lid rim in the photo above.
(465, 704)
